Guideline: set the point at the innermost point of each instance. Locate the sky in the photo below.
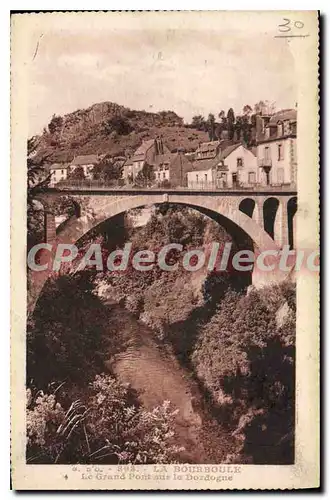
(182, 68)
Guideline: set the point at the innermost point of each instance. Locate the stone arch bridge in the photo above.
(265, 217)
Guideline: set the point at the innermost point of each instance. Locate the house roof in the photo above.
(165, 158)
(85, 160)
(228, 150)
(208, 146)
(141, 150)
(207, 164)
(284, 114)
(200, 165)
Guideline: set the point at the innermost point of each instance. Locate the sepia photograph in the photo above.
(165, 183)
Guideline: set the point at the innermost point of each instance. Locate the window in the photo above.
(252, 178)
(196, 177)
(164, 175)
(158, 175)
(267, 156)
(239, 162)
(205, 177)
(280, 151)
(62, 172)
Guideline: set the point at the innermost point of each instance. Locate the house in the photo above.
(145, 154)
(207, 150)
(234, 166)
(59, 172)
(86, 162)
(276, 148)
(172, 169)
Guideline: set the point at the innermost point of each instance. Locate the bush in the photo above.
(109, 428)
(119, 125)
(65, 339)
(245, 357)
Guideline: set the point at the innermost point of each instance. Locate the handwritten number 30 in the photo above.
(286, 25)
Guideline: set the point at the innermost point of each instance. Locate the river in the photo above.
(152, 369)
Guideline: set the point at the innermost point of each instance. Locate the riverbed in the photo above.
(151, 368)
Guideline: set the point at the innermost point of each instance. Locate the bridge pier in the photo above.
(50, 227)
(257, 212)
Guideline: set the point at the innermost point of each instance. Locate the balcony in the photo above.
(265, 162)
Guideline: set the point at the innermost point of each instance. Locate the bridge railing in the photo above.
(90, 185)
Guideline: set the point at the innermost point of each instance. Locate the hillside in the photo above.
(108, 128)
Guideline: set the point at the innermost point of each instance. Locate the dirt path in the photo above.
(153, 371)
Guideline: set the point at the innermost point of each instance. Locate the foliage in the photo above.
(125, 432)
(66, 337)
(118, 124)
(77, 174)
(245, 358)
(111, 427)
(108, 170)
(240, 127)
(55, 123)
(198, 122)
(37, 180)
(44, 415)
(231, 123)
(211, 126)
(146, 176)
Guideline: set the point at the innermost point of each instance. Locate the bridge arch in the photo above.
(227, 215)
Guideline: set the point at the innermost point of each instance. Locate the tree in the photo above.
(108, 170)
(198, 122)
(55, 123)
(222, 126)
(119, 125)
(77, 174)
(238, 127)
(146, 176)
(222, 115)
(38, 179)
(247, 130)
(231, 123)
(247, 110)
(211, 126)
(245, 358)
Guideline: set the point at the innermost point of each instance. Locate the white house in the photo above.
(59, 172)
(86, 162)
(234, 166)
(276, 148)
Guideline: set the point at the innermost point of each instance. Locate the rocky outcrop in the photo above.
(108, 128)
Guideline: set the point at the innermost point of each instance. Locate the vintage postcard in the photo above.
(165, 250)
